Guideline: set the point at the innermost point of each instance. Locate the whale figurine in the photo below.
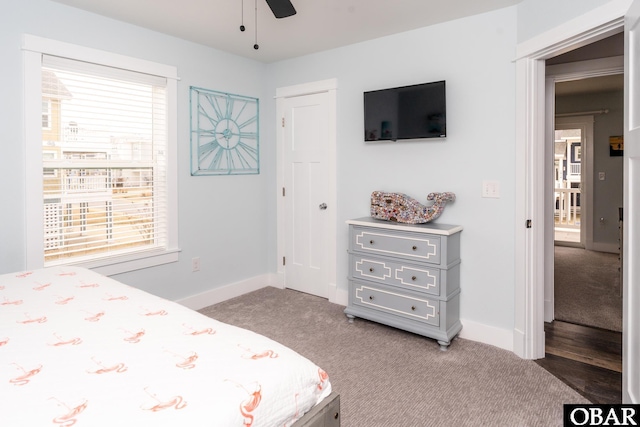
(398, 207)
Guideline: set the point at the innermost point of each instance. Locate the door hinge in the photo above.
(284, 261)
(527, 223)
(283, 192)
(283, 122)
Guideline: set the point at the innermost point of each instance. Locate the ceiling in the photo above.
(318, 25)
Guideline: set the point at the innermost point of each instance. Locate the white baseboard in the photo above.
(336, 296)
(223, 293)
(549, 310)
(277, 280)
(474, 331)
(471, 330)
(232, 290)
(340, 296)
(605, 247)
(519, 343)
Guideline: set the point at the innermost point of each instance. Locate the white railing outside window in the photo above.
(567, 209)
(85, 184)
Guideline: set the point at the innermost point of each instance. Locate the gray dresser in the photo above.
(406, 276)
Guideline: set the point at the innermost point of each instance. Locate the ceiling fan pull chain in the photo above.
(255, 46)
(242, 15)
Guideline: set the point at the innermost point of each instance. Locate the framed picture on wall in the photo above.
(616, 146)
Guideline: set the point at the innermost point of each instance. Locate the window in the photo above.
(106, 180)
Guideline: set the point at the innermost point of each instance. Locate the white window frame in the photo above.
(33, 48)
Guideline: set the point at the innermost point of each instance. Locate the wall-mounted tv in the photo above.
(407, 112)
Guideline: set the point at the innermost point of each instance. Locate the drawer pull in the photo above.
(371, 270)
(413, 278)
(371, 297)
(413, 308)
(414, 248)
(371, 242)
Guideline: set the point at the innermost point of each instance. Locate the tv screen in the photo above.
(407, 112)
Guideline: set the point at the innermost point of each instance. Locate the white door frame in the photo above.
(329, 86)
(531, 200)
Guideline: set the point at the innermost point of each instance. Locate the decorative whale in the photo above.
(398, 207)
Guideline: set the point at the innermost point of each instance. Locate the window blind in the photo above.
(104, 165)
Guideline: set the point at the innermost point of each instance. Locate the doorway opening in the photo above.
(532, 207)
(582, 347)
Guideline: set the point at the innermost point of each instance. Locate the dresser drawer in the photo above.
(425, 248)
(417, 278)
(396, 302)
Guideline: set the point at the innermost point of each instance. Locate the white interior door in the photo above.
(306, 182)
(631, 236)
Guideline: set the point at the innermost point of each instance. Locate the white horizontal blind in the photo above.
(104, 161)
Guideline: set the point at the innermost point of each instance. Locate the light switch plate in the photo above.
(491, 189)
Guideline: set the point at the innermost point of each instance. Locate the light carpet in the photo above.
(387, 377)
(587, 288)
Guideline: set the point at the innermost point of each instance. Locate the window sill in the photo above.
(131, 262)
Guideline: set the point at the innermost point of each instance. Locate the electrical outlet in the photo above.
(195, 264)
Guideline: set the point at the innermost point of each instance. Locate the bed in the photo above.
(78, 348)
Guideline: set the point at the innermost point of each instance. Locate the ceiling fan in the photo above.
(281, 8)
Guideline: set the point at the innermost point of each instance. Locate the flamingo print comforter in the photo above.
(81, 349)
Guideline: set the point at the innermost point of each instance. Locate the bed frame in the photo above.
(325, 414)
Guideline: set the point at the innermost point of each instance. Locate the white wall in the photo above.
(474, 55)
(221, 219)
(537, 16)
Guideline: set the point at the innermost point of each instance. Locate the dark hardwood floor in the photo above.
(589, 360)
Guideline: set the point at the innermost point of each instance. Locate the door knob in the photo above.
(323, 206)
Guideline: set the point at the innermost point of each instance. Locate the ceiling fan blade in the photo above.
(281, 8)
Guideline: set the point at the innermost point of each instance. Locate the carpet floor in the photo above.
(587, 288)
(387, 377)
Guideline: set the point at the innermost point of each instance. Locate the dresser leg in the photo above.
(350, 317)
(444, 345)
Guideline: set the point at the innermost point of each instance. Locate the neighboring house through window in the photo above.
(46, 114)
(105, 190)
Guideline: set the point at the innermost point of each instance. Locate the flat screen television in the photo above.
(407, 112)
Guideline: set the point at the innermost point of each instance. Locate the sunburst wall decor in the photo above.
(224, 133)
